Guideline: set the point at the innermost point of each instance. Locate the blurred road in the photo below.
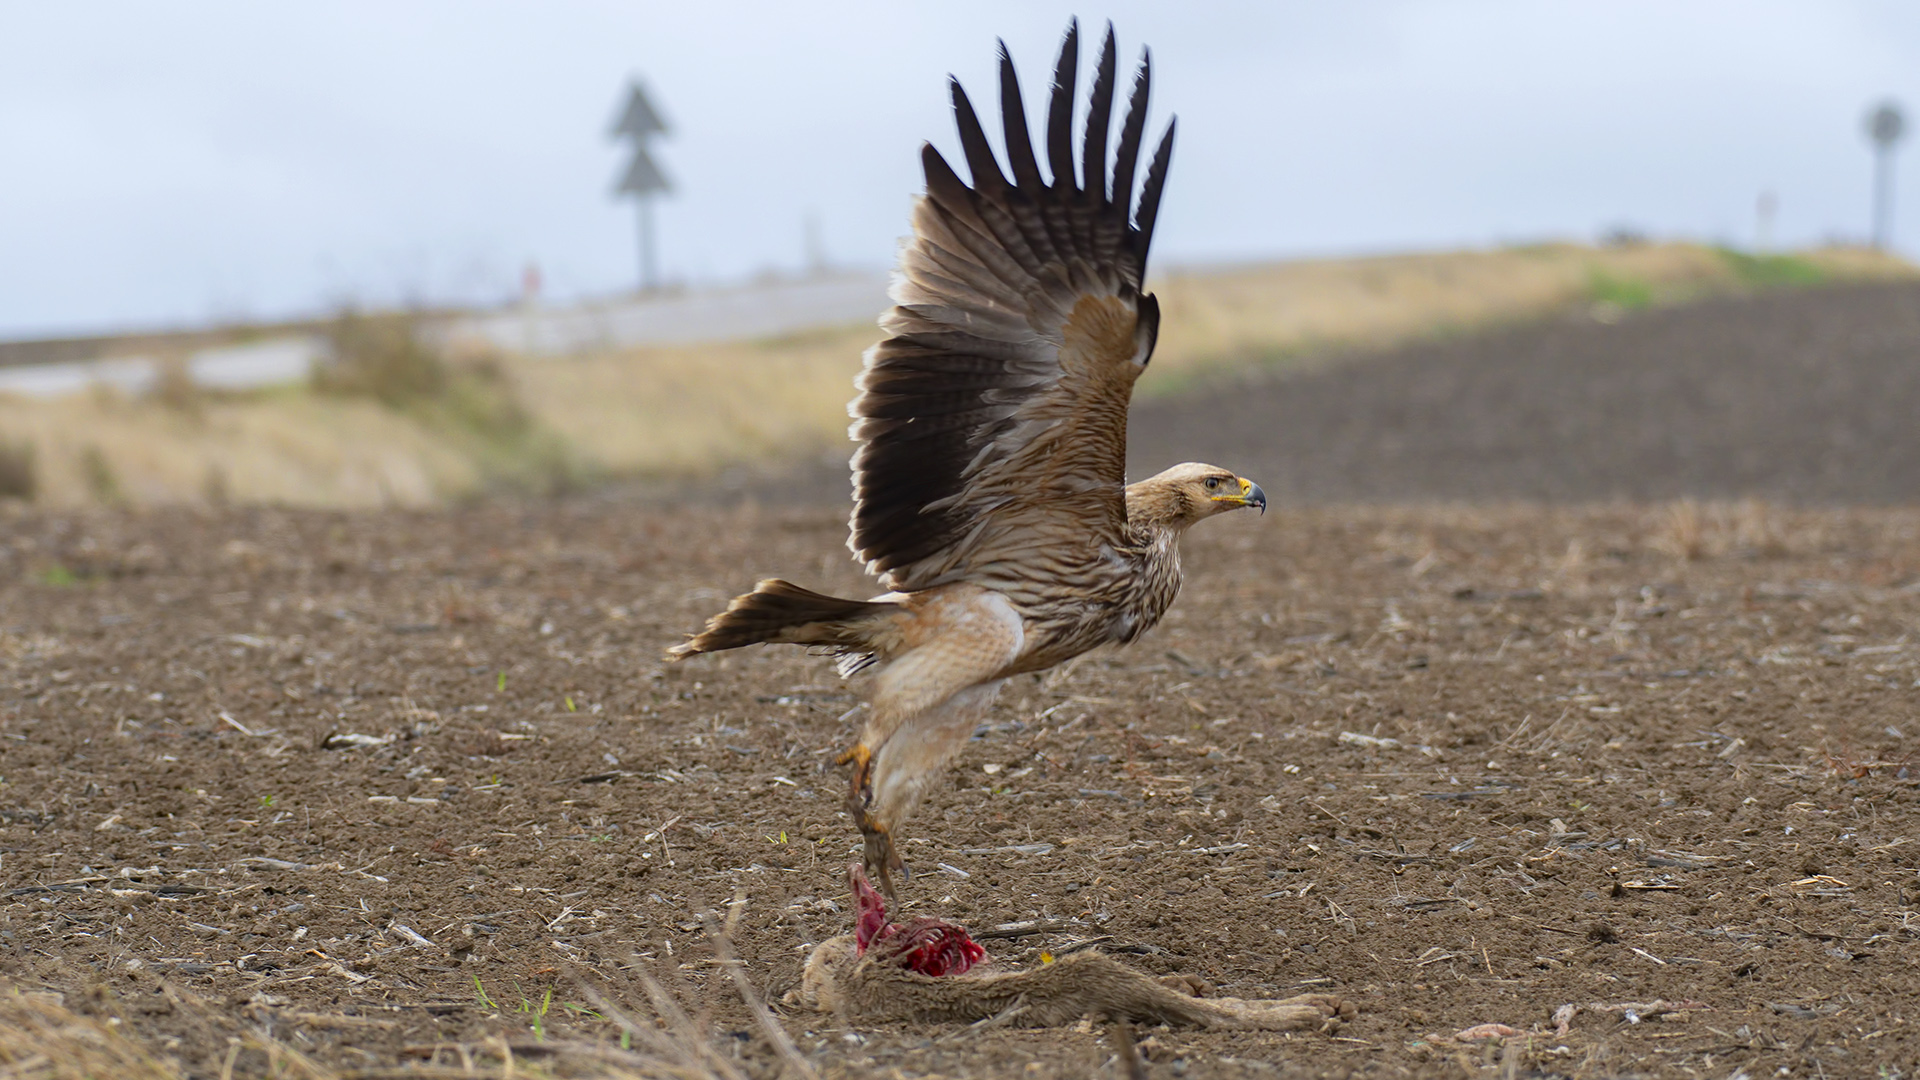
(262, 363)
(748, 311)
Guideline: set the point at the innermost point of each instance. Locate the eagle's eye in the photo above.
(1213, 483)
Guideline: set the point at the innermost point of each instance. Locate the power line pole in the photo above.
(1885, 126)
(640, 122)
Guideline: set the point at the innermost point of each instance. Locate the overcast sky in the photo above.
(177, 163)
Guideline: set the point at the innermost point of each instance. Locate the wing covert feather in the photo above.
(992, 417)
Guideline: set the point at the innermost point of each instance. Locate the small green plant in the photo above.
(539, 1014)
(500, 682)
(58, 576)
(570, 707)
(480, 997)
(1771, 271)
(266, 802)
(1619, 290)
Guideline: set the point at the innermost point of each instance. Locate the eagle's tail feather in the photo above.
(780, 612)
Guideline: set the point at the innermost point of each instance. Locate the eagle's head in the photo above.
(1188, 493)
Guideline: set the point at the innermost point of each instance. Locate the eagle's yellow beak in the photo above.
(1250, 495)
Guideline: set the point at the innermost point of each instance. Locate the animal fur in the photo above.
(874, 989)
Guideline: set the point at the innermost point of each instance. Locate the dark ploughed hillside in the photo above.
(1810, 396)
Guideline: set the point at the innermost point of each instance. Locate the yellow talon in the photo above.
(861, 759)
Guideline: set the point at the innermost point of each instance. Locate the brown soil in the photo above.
(1635, 755)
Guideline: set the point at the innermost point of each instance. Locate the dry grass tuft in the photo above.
(382, 357)
(103, 487)
(175, 389)
(469, 401)
(40, 1039)
(288, 448)
(1689, 529)
(17, 477)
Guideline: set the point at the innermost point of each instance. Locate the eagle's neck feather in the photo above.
(1154, 504)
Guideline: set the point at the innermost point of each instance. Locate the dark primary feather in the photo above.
(1013, 120)
(974, 436)
(1131, 129)
(1150, 193)
(1060, 110)
(1093, 154)
(987, 177)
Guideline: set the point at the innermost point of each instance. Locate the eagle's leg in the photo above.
(926, 699)
(880, 859)
(890, 782)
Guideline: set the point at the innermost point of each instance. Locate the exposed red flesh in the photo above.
(927, 945)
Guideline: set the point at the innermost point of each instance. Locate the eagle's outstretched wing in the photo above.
(993, 418)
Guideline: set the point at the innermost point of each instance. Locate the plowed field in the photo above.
(387, 789)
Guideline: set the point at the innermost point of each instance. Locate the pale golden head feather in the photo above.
(1190, 492)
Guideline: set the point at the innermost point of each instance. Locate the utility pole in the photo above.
(640, 122)
(1885, 126)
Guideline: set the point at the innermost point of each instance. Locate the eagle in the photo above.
(990, 492)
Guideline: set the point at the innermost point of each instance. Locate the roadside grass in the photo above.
(465, 397)
(685, 412)
(1622, 293)
(397, 423)
(398, 420)
(1773, 271)
(285, 446)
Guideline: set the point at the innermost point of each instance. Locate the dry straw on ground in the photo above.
(42, 1039)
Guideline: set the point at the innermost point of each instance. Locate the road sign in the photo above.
(639, 123)
(638, 119)
(643, 177)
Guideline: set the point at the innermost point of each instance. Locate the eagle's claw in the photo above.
(882, 861)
